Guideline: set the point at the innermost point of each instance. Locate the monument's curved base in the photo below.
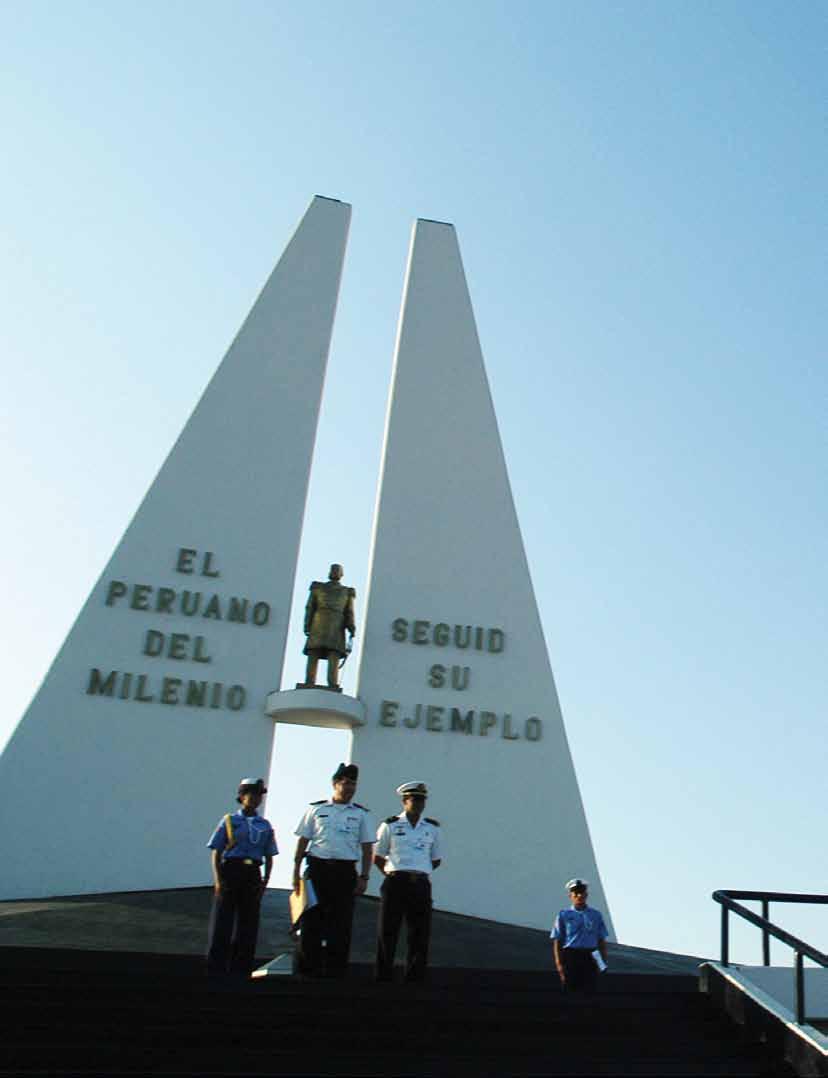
(316, 707)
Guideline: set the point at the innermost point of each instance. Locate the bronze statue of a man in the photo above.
(328, 614)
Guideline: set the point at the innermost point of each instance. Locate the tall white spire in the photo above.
(161, 683)
(455, 676)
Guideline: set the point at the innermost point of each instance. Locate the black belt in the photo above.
(331, 860)
(241, 861)
(408, 874)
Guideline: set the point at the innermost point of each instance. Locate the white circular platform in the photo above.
(316, 707)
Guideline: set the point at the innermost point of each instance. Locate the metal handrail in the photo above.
(801, 949)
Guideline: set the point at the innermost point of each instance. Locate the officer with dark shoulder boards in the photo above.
(407, 851)
(579, 941)
(240, 844)
(334, 835)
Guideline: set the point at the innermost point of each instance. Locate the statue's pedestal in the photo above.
(316, 707)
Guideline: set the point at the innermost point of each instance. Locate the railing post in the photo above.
(800, 989)
(725, 941)
(765, 933)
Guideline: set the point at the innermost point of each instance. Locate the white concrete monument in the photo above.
(163, 681)
(161, 684)
(455, 678)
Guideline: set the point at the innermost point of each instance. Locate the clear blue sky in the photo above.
(639, 194)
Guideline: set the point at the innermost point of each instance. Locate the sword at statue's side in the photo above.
(349, 647)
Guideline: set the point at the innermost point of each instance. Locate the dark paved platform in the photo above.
(120, 1014)
(175, 923)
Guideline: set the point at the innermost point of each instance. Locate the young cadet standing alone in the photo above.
(407, 851)
(240, 843)
(577, 933)
(334, 835)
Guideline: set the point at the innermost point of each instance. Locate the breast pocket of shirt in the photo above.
(258, 832)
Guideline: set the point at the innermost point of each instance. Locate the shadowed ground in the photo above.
(175, 922)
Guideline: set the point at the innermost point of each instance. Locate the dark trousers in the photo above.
(330, 919)
(404, 895)
(234, 922)
(579, 968)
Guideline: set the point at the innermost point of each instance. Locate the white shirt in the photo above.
(407, 848)
(336, 830)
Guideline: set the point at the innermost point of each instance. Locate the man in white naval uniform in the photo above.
(334, 835)
(407, 851)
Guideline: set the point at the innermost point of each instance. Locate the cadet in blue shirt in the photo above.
(239, 844)
(576, 934)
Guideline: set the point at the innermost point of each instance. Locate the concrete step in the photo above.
(95, 1015)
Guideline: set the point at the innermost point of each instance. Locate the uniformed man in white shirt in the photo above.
(334, 835)
(407, 851)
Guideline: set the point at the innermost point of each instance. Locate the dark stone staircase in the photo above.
(109, 1013)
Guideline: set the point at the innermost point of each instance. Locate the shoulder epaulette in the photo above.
(392, 819)
(436, 823)
(315, 584)
(322, 802)
(353, 592)
(357, 805)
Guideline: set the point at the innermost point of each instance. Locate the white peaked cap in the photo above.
(576, 884)
(412, 788)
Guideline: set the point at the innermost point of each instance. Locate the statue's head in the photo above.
(336, 572)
